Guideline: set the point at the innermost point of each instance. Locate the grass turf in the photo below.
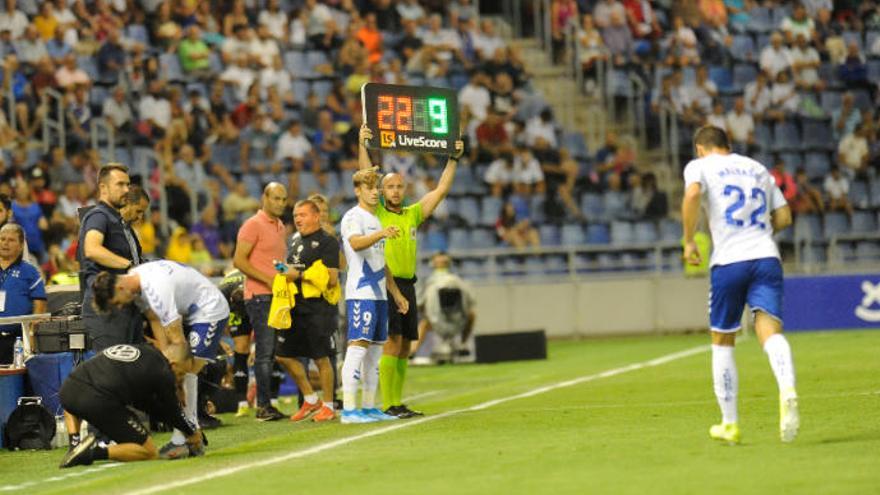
(644, 431)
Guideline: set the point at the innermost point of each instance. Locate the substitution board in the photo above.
(411, 118)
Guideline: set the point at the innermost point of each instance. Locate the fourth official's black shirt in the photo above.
(303, 251)
(135, 375)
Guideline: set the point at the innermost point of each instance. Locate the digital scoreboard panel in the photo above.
(411, 118)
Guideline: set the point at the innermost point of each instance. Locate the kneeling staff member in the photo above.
(101, 389)
(181, 305)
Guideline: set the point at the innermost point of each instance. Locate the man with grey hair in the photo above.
(22, 291)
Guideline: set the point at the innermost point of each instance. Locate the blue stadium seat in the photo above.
(473, 269)
(322, 89)
(315, 58)
(556, 264)
(722, 78)
(490, 210)
(762, 40)
(461, 183)
(786, 236)
(765, 158)
(813, 255)
(808, 227)
(592, 206)
(435, 241)
(763, 136)
(830, 100)
(816, 134)
(779, 13)
(858, 194)
(573, 235)
(868, 251)
(537, 210)
(606, 261)
(550, 235)
(170, 67)
(598, 233)
(295, 63)
(817, 164)
(786, 136)
(874, 69)
(618, 83)
(792, 161)
(760, 20)
(875, 193)
(89, 65)
(137, 32)
(228, 155)
(862, 98)
(689, 76)
(469, 209)
(308, 184)
(835, 224)
(843, 252)
(853, 37)
(459, 240)
(870, 38)
(576, 144)
(670, 230)
(863, 221)
(645, 232)
(743, 48)
(216, 62)
(483, 238)
(615, 204)
(622, 233)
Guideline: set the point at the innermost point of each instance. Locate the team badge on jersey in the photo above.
(123, 352)
(194, 339)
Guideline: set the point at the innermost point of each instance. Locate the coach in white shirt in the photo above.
(740, 125)
(293, 145)
(775, 58)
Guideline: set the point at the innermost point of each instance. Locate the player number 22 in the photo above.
(740, 202)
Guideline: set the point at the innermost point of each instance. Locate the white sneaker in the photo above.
(789, 418)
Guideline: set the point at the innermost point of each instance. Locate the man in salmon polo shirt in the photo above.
(260, 243)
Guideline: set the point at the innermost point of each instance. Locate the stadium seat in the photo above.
(835, 224)
(216, 62)
(606, 262)
(843, 252)
(868, 251)
(743, 74)
(308, 184)
(322, 89)
(615, 204)
(483, 238)
(765, 158)
(786, 137)
(469, 210)
(792, 160)
(858, 194)
(763, 136)
(874, 69)
(863, 221)
(785, 236)
(89, 65)
(871, 38)
(171, 69)
(619, 83)
(831, 100)
(670, 230)
(576, 144)
(862, 98)
(598, 233)
(473, 269)
(813, 255)
(459, 240)
(622, 233)
(816, 134)
(228, 155)
(592, 206)
(760, 20)
(853, 37)
(435, 241)
(778, 14)
(537, 210)
(137, 32)
(490, 210)
(295, 63)
(875, 193)
(743, 48)
(817, 164)
(645, 232)
(315, 58)
(808, 227)
(550, 235)
(722, 78)
(556, 264)
(573, 235)
(762, 40)
(334, 186)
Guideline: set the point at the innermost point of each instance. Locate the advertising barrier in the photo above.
(832, 302)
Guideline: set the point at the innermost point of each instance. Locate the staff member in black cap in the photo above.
(108, 243)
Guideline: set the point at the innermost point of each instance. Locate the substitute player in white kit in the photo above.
(366, 299)
(744, 208)
(181, 305)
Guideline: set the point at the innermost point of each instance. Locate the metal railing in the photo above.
(51, 124)
(97, 125)
(669, 135)
(142, 162)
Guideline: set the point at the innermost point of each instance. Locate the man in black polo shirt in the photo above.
(102, 389)
(314, 318)
(107, 243)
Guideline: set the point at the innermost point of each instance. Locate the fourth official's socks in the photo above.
(387, 379)
(399, 379)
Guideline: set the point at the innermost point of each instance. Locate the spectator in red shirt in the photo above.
(492, 137)
(784, 180)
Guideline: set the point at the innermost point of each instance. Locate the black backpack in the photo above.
(30, 426)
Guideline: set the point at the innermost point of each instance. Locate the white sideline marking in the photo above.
(404, 424)
(422, 396)
(71, 474)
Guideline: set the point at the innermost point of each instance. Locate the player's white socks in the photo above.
(351, 376)
(779, 353)
(726, 381)
(190, 407)
(371, 376)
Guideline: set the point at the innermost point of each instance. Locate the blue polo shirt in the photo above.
(22, 284)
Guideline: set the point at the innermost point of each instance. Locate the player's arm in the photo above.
(780, 218)
(399, 299)
(363, 153)
(93, 249)
(361, 242)
(163, 335)
(690, 214)
(430, 200)
(240, 260)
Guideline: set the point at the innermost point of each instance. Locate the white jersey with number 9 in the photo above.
(739, 194)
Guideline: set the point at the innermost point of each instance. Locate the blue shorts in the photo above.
(204, 338)
(367, 320)
(756, 282)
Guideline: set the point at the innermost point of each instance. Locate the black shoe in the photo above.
(410, 412)
(269, 413)
(208, 422)
(81, 455)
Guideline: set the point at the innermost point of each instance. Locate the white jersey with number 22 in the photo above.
(739, 194)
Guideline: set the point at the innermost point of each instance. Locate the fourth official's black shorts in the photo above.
(405, 325)
(310, 335)
(105, 413)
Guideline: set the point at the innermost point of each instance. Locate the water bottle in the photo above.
(18, 360)
(61, 439)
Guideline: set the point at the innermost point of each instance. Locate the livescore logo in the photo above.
(386, 139)
(390, 139)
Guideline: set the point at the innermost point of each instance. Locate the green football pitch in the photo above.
(626, 415)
